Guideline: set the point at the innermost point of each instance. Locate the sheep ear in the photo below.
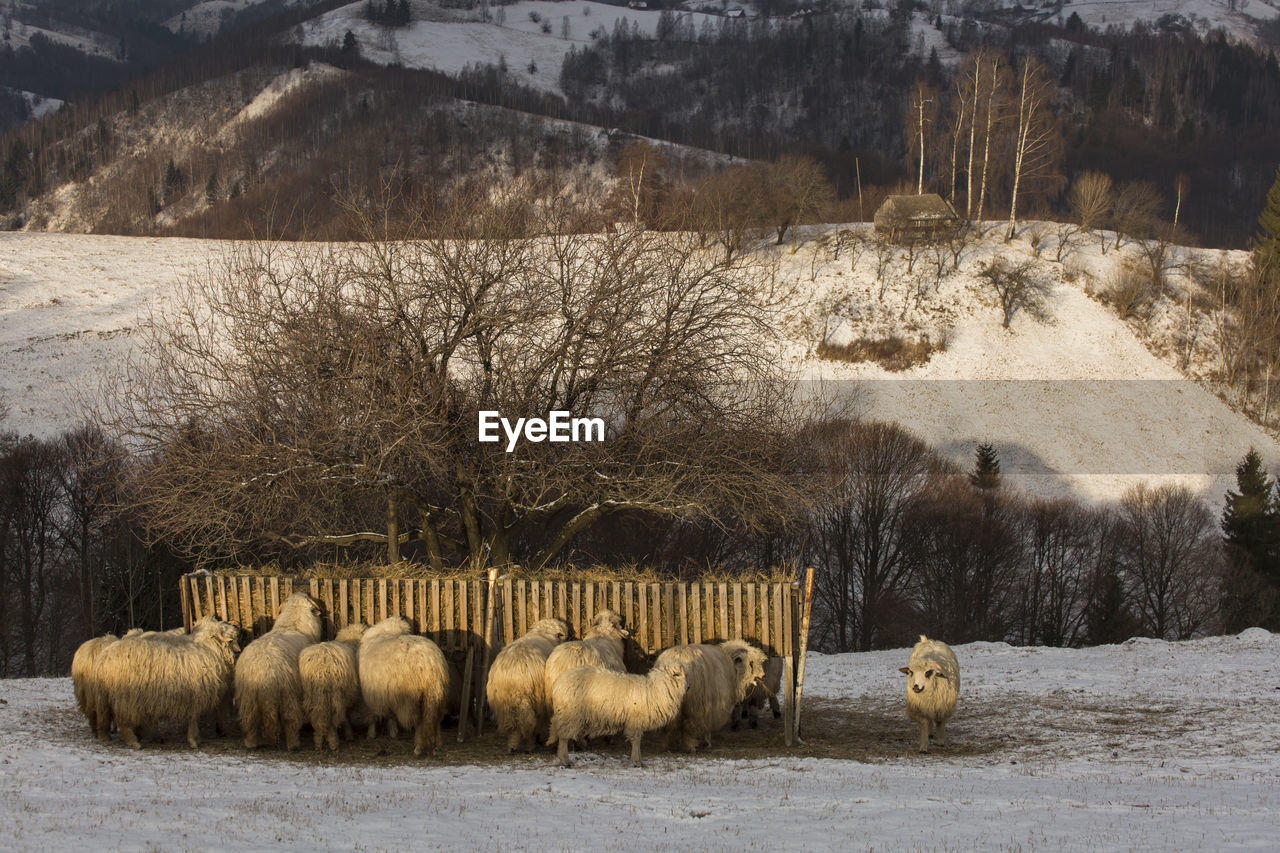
(904, 670)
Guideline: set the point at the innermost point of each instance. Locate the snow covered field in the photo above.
(1145, 745)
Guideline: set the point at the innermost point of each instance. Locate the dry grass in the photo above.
(894, 353)
(595, 574)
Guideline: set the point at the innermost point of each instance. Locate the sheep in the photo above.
(331, 684)
(764, 691)
(593, 701)
(147, 680)
(719, 679)
(602, 646)
(268, 688)
(933, 684)
(516, 689)
(404, 678)
(84, 679)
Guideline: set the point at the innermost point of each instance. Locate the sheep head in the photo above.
(300, 612)
(608, 623)
(352, 633)
(552, 629)
(748, 665)
(923, 676)
(392, 626)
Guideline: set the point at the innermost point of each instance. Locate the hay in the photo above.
(405, 570)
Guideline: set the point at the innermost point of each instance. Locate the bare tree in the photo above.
(1090, 201)
(329, 396)
(864, 529)
(1170, 551)
(1037, 148)
(1019, 287)
(1136, 210)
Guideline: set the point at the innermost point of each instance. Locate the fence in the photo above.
(471, 618)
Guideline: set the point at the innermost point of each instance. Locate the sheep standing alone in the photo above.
(719, 678)
(331, 684)
(268, 687)
(602, 646)
(147, 680)
(592, 701)
(404, 678)
(933, 684)
(84, 677)
(516, 689)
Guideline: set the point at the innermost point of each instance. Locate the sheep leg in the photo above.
(924, 735)
(773, 706)
(193, 732)
(635, 749)
(129, 737)
(942, 733)
(562, 752)
(393, 731)
(373, 730)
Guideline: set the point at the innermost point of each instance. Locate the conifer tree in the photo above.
(1251, 519)
(1266, 243)
(986, 468)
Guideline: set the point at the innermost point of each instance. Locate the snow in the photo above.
(448, 40)
(1146, 744)
(1202, 15)
(1076, 405)
(85, 41)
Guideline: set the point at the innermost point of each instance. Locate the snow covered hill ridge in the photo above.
(1077, 402)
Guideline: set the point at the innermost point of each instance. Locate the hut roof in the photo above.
(917, 208)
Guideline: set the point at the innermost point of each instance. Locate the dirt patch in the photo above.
(853, 730)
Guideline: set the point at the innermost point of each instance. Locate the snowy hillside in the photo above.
(1075, 404)
(450, 39)
(1145, 745)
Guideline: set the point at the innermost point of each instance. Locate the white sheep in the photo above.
(719, 678)
(933, 684)
(764, 691)
(143, 681)
(516, 689)
(331, 684)
(268, 687)
(592, 701)
(404, 678)
(84, 678)
(601, 646)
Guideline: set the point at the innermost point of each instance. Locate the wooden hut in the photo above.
(916, 218)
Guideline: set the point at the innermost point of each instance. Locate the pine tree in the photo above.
(1251, 519)
(1266, 243)
(986, 468)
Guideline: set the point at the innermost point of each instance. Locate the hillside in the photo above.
(1075, 404)
(1143, 745)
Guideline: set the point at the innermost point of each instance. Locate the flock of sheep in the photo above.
(540, 685)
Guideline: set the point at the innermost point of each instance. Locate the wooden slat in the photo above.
(669, 617)
(726, 633)
(490, 627)
(184, 593)
(274, 586)
(380, 599)
(655, 616)
(695, 598)
(410, 602)
(628, 612)
(737, 610)
(562, 606)
(642, 636)
(508, 615)
(522, 609)
(344, 603)
(752, 622)
(682, 639)
(764, 616)
(208, 597)
(286, 588)
(447, 613)
(433, 610)
(709, 608)
(575, 615)
(464, 607)
(468, 672)
(396, 608)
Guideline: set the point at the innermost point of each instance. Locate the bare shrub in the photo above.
(894, 353)
(1019, 287)
(1129, 291)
